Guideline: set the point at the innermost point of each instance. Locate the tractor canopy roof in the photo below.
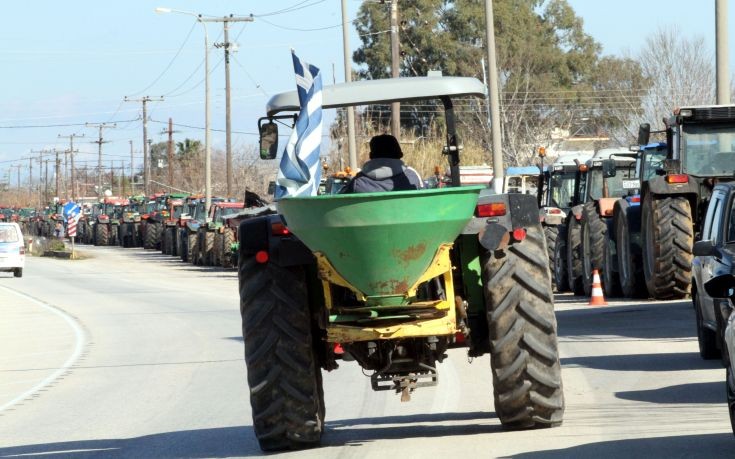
(117, 201)
(572, 159)
(367, 92)
(621, 156)
(230, 205)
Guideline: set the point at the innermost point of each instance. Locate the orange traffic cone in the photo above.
(597, 299)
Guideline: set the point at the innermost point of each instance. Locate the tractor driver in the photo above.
(384, 171)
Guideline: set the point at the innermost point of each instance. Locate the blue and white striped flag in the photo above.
(300, 172)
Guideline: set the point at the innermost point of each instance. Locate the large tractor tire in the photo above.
(113, 235)
(152, 236)
(206, 248)
(217, 249)
(166, 242)
(592, 244)
(102, 234)
(229, 239)
(575, 270)
(706, 338)
(192, 248)
(551, 233)
(524, 352)
(174, 241)
(560, 269)
(610, 271)
(668, 237)
(286, 392)
(630, 256)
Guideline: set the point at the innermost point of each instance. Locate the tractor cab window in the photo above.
(561, 186)
(615, 188)
(653, 161)
(708, 150)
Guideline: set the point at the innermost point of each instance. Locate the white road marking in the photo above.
(80, 339)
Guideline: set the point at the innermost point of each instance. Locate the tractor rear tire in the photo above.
(630, 255)
(174, 241)
(149, 239)
(113, 234)
(524, 351)
(551, 233)
(207, 248)
(706, 338)
(166, 242)
(193, 248)
(217, 249)
(610, 274)
(574, 258)
(668, 237)
(592, 244)
(102, 234)
(229, 239)
(560, 269)
(286, 392)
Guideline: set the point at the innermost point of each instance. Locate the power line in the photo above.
(201, 128)
(37, 126)
(186, 40)
(289, 9)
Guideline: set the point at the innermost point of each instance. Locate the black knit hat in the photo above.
(385, 146)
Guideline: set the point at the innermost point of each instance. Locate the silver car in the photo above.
(12, 249)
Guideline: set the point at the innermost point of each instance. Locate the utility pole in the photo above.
(132, 174)
(30, 180)
(146, 165)
(58, 170)
(71, 154)
(498, 173)
(228, 127)
(352, 145)
(112, 177)
(45, 183)
(99, 143)
(170, 153)
(395, 107)
(723, 71)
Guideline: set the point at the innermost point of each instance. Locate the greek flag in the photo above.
(299, 173)
(73, 210)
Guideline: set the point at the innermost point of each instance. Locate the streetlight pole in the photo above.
(207, 113)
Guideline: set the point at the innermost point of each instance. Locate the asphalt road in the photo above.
(130, 353)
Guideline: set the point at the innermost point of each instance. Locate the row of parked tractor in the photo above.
(177, 224)
(633, 214)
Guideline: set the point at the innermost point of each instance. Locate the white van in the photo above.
(12, 249)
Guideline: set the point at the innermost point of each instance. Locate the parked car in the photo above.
(714, 254)
(723, 286)
(12, 249)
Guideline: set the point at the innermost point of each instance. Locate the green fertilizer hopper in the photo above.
(381, 243)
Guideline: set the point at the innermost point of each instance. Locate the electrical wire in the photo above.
(186, 40)
(289, 9)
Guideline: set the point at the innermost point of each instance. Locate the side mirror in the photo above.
(704, 249)
(608, 168)
(268, 139)
(720, 286)
(644, 133)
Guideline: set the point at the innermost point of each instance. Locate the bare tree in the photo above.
(681, 71)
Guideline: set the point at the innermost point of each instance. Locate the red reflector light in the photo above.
(494, 209)
(338, 349)
(262, 256)
(279, 229)
(677, 178)
(519, 234)
(635, 199)
(459, 338)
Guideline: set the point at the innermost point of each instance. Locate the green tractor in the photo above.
(393, 280)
